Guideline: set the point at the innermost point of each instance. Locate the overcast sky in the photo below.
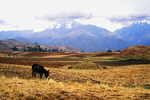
(38, 15)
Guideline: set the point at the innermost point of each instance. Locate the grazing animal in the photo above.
(38, 69)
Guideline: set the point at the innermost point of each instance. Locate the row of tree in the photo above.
(35, 49)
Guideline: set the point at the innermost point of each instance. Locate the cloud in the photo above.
(67, 16)
(130, 19)
(2, 22)
(65, 19)
(52, 11)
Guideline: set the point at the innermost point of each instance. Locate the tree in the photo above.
(24, 48)
(14, 48)
(55, 50)
(37, 47)
(29, 49)
(109, 50)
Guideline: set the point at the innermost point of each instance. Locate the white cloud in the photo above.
(23, 14)
(126, 20)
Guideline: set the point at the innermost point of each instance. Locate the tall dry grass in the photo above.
(36, 89)
(121, 83)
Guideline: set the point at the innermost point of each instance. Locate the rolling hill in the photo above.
(11, 44)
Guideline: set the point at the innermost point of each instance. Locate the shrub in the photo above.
(109, 50)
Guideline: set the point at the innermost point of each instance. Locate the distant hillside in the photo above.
(14, 45)
(139, 50)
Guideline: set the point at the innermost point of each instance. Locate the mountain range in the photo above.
(85, 37)
(135, 34)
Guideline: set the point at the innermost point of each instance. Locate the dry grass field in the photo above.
(121, 83)
(35, 89)
(89, 76)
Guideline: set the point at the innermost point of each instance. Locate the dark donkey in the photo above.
(38, 69)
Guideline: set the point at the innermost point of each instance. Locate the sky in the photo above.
(38, 15)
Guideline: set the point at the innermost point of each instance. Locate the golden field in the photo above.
(121, 83)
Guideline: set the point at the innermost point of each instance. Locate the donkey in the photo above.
(38, 69)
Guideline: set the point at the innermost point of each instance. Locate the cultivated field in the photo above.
(95, 76)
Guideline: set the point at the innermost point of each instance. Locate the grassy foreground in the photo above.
(119, 83)
(36, 89)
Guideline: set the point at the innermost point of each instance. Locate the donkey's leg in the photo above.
(41, 74)
(33, 74)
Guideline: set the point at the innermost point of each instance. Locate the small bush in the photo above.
(109, 50)
(147, 86)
